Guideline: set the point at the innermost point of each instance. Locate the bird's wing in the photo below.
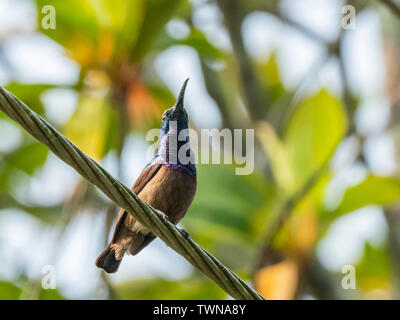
(147, 174)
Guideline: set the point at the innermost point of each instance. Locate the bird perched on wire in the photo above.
(167, 183)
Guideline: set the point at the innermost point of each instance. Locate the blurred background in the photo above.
(324, 102)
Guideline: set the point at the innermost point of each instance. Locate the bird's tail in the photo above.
(107, 260)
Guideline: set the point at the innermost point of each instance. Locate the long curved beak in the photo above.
(179, 102)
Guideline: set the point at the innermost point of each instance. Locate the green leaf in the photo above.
(158, 13)
(113, 131)
(87, 127)
(163, 94)
(373, 270)
(197, 40)
(9, 291)
(50, 294)
(270, 77)
(277, 155)
(315, 129)
(225, 204)
(124, 18)
(28, 158)
(373, 190)
(30, 94)
(160, 289)
(72, 17)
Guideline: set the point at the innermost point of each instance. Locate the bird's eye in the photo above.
(166, 114)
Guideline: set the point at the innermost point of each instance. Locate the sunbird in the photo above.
(168, 183)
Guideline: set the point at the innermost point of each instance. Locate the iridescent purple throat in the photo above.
(166, 153)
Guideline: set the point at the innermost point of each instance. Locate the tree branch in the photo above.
(257, 103)
(151, 218)
(393, 6)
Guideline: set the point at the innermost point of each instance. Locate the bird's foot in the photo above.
(163, 215)
(185, 233)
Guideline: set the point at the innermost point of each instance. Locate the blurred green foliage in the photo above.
(115, 44)
(156, 289)
(9, 291)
